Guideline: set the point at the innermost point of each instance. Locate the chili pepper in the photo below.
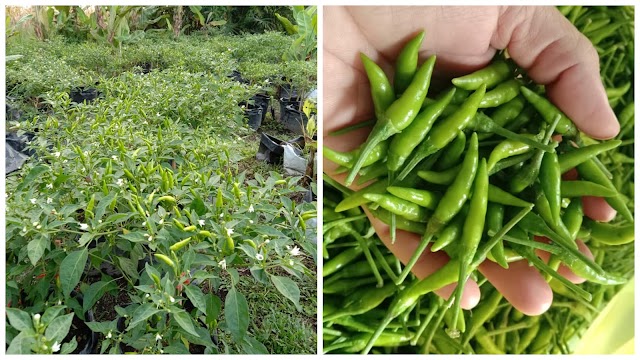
(525, 117)
(398, 116)
(346, 285)
(424, 198)
(373, 172)
(540, 344)
(610, 234)
(398, 206)
(529, 174)
(495, 218)
(449, 316)
(237, 193)
(401, 224)
(483, 123)
(481, 314)
(180, 244)
(357, 270)
(407, 63)
(491, 75)
(453, 152)
(575, 157)
(508, 148)
(361, 301)
(507, 112)
(528, 337)
(381, 90)
(517, 160)
(445, 177)
(357, 198)
(189, 228)
(579, 188)
(503, 93)
(204, 233)
(588, 170)
(487, 344)
(346, 159)
(450, 204)
(340, 260)
(581, 269)
(445, 131)
(405, 142)
(544, 210)
(613, 93)
(473, 229)
(450, 233)
(165, 259)
(499, 196)
(169, 199)
(229, 245)
(358, 342)
(572, 217)
(410, 295)
(550, 178)
(549, 112)
(509, 255)
(219, 202)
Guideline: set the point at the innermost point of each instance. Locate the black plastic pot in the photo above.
(254, 117)
(294, 120)
(84, 94)
(90, 346)
(262, 101)
(270, 149)
(284, 102)
(236, 76)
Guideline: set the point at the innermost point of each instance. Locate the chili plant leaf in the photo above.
(71, 269)
(51, 313)
(69, 347)
(236, 313)
(184, 320)
(19, 319)
(59, 328)
(214, 304)
(32, 175)
(35, 249)
(252, 346)
(197, 297)
(21, 344)
(142, 313)
(95, 292)
(102, 205)
(288, 288)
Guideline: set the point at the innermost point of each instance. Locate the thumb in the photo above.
(555, 54)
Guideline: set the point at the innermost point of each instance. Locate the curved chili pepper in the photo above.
(382, 92)
(588, 170)
(549, 112)
(577, 156)
(449, 233)
(398, 206)
(610, 234)
(508, 148)
(446, 130)
(346, 159)
(495, 218)
(450, 204)
(572, 217)
(514, 161)
(407, 63)
(491, 75)
(357, 198)
(361, 301)
(509, 111)
(340, 260)
(405, 142)
(577, 188)
(398, 116)
(499, 196)
(472, 230)
(550, 178)
(402, 223)
(483, 123)
(424, 198)
(344, 285)
(481, 314)
(445, 177)
(501, 94)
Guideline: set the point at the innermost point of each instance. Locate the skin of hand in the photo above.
(464, 39)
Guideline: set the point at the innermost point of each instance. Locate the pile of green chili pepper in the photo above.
(476, 171)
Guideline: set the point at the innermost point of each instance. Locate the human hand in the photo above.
(539, 39)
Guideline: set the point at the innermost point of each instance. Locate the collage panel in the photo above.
(160, 178)
(486, 146)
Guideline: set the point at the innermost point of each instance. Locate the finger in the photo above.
(522, 285)
(598, 209)
(404, 247)
(555, 54)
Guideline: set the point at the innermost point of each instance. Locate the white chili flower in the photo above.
(229, 231)
(259, 257)
(39, 227)
(290, 262)
(35, 223)
(150, 238)
(161, 221)
(109, 335)
(223, 263)
(114, 157)
(36, 317)
(250, 221)
(49, 186)
(267, 241)
(147, 295)
(84, 226)
(33, 201)
(295, 251)
(221, 216)
(201, 222)
(49, 200)
(120, 182)
(171, 298)
(251, 208)
(56, 154)
(158, 337)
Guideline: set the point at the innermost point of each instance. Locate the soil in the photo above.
(107, 304)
